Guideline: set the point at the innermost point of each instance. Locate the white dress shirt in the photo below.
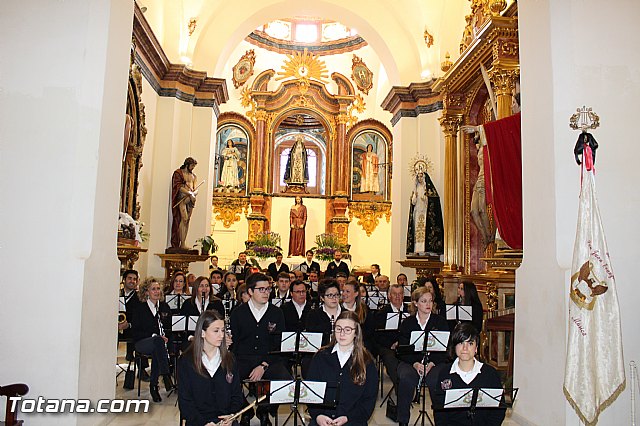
(258, 313)
(212, 364)
(466, 376)
(343, 356)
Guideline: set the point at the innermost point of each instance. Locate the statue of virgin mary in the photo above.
(297, 171)
(425, 233)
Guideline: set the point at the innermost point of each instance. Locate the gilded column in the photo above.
(342, 175)
(504, 82)
(258, 172)
(450, 126)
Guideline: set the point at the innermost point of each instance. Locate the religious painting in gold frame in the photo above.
(361, 75)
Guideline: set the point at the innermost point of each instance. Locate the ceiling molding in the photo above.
(174, 80)
(411, 101)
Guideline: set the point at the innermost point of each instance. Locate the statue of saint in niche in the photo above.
(298, 221)
(183, 200)
(230, 156)
(425, 233)
(297, 170)
(369, 165)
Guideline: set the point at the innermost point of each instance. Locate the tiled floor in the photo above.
(166, 412)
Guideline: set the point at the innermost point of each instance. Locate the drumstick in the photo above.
(247, 408)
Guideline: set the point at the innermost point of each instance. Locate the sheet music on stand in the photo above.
(459, 312)
(183, 322)
(407, 290)
(309, 342)
(473, 398)
(278, 301)
(436, 340)
(175, 301)
(122, 304)
(393, 320)
(285, 390)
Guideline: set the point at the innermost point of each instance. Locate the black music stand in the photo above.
(302, 344)
(392, 324)
(478, 398)
(459, 313)
(424, 342)
(297, 390)
(180, 324)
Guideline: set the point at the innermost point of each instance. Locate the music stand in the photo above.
(298, 342)
(426, 342)
(459, 313)
(472, 398)
(392, 324)
(181, 324)
(175, 301)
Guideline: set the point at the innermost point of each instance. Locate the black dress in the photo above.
(203, 399)
(487, 378)
(357, 402)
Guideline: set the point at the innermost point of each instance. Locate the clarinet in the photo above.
(416, 399)
(161, 330)
(227, 307)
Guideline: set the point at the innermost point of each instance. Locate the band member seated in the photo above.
(313, 287)
(241, 267)
(297, 309)
(412, 365)
(216, 281)
(351, 302)
(439, 307)
(228, 290)
(256, 327)
(200, 291)
(375, 271)
(152, 333)
(466, 372)
(468, 296)
(387, 341)
(322, 319)
(309, 264)
(210, 388)
(336, 266)
(277, 267)
(341, 278)
(350, 373)
(177, 285)
(131, 301)
(281, 291)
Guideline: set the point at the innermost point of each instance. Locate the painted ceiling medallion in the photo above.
(244, 68)
(303, 66)
(361, 75)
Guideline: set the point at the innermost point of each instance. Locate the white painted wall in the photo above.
(573, 53)
(63, 92)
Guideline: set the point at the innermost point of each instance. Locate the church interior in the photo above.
(367, 113)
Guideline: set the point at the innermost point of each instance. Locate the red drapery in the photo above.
(504, 190)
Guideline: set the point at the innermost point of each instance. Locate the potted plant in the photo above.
(265, 245)
(326, 245)
(207, 245)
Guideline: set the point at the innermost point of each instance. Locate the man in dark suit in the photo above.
(130, 295)
(281, 293)
(336, 266)
(371, 278)
(295, 311)
(309, 265)
(275, 268)
(241, 267)
(256, 327)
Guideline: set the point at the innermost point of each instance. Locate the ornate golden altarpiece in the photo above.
(133, 144)
(490, 40)
(303, 92)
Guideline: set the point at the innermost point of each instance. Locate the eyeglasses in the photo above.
(345, 330)
(262, 289)
(332, 295)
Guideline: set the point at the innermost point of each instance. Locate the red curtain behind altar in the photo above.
(504, 178)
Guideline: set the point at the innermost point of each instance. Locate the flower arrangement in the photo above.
(326, 245)
(266, 244)
(207, 245)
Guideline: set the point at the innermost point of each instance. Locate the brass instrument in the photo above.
(122, 318)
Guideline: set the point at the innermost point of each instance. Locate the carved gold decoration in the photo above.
(129, 255)
(497, 6)
(358, 106)
(507, 48)
(450, 124)
(420, 163)
(192, 26)
(244, 68)
(362, 75)
(492, 296)
(179, 262)
(228, 209)
(446, 64)
(304, 66)
(428, 38)
(369, 214)
(425, 267)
